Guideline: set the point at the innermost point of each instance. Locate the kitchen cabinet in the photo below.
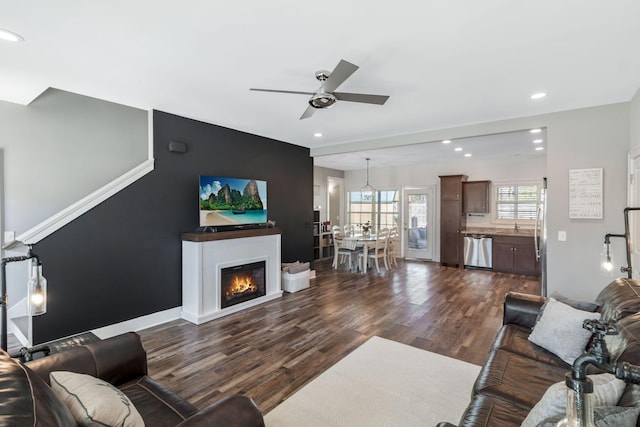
(475, 196)
(452, 220)
(515, 254)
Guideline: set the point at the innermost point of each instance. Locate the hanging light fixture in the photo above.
(367, 189)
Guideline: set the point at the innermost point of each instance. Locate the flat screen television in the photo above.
(232, 201)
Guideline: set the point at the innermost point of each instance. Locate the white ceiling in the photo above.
(511, 144)
(443, 63)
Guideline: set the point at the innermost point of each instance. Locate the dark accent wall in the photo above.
(123, 259)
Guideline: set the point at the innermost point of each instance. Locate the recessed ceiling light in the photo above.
(457, 149)
(10, 36)
(538, 95)
(467, 154)
(537, 141)
(535, 130)
(539, 148)
(318, 134)
(446, 141)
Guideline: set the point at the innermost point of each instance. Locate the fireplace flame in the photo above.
(241, 285)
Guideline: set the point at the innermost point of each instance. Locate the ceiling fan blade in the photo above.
(308, 112)
(361, 97)
(282, 91)
(341, 73)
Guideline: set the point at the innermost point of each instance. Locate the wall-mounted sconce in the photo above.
(607, 262)
(36, 289)
(607, 265)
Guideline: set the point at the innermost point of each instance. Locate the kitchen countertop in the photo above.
(524, 232)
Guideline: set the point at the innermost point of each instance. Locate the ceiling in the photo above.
(443, 63)
(511, 144)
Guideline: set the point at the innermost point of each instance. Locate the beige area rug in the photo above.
(381, 383)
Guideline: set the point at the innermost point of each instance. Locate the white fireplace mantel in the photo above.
(205, 255)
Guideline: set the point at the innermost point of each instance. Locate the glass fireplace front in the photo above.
(242, 283)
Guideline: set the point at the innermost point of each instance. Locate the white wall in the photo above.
(585, 138)
(62, 147)
(635, 122)
(320, 176)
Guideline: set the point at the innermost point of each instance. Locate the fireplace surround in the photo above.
(207, 256)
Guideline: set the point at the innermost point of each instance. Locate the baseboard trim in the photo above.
(138, 323)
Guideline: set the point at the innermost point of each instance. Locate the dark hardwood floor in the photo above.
(270, 351)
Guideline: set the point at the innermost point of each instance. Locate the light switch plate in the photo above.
(9, 236)
(562, 236)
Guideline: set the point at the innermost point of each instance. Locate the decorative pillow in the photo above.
(559, 330)
(604, 416)
(93, 401)
(607, 390)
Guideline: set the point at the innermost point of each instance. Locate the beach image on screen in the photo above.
(232, 201)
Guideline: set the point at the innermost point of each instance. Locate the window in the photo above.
(517, 202)
(379, 208)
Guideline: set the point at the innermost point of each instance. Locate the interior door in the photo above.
(418, 235)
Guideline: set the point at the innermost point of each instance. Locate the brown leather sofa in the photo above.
(517, 372)
(26, 398)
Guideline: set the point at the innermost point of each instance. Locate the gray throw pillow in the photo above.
(559, 330)
(607, 390)
(604, 416)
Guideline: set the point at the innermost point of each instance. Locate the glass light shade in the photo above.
(37, 296)
(606, 261)
(579, 410)
(367, 190)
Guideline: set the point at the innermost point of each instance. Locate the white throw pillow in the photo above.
(93, 401)
(607, 390)
(560, 330)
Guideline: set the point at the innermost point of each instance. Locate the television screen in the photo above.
(232, 201)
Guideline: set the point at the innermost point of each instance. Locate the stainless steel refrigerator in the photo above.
(540, 237)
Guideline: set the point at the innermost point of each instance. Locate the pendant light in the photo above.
(367, 189)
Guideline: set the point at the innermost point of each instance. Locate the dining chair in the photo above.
(393, 248)
(341, 251)
(377, 251)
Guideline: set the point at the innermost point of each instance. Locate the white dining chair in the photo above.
(377, 251)
(342, 252)
(393, 247)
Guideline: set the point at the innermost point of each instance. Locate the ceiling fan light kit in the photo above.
(325, 96)
(322, 100)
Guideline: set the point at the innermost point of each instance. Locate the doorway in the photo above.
(633, 199)
(335, 200)
(418, 223)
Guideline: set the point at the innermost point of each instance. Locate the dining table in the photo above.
(360, 241)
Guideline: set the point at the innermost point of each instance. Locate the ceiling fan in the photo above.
(325, 96)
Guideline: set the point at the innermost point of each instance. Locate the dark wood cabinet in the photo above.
(452, 220)
(515, 254)
(475, 196)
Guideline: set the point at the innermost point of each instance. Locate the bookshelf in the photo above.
(322, 239)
